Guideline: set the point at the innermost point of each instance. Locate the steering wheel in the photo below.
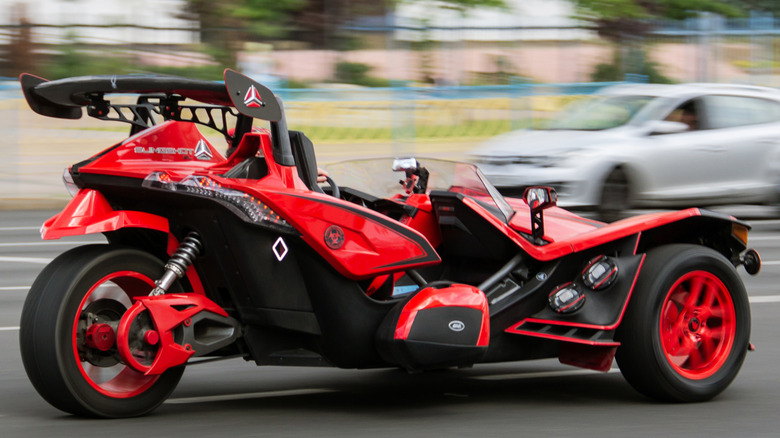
(334, 188)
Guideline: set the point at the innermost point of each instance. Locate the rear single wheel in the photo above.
(615, 196)
(686, 329)
(68, 333)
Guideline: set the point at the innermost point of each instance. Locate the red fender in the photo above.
(89, 212)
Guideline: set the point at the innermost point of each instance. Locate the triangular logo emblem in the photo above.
(202, 151)
(252, 99)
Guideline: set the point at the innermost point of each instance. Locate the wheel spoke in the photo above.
(708, 347)
(695, 359)
(696, 285)
(686, 346)
(711, 292)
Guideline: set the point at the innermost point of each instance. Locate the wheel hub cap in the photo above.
(698, 325)
(100, 336)
(694, 324)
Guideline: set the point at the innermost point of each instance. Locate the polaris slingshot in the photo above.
(213, 255)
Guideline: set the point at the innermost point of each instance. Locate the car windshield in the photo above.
(376, 177)
(599, 113)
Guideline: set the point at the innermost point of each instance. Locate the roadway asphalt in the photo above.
(537, 398)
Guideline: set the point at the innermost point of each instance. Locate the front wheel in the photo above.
(685, 332)
(68, 333)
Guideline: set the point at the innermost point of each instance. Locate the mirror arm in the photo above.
(537, 224)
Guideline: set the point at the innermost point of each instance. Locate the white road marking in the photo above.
(765, 299)
(20, 228)
(36, 260)
(73, 242)
(767, 221)
(250, 395)
(8, 329)
(754, 238)
(14, 288)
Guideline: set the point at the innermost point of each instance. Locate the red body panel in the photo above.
(89, 212)
(424, 220)
(457, 295)
(570, 233)
(372, 243)
(169, 146)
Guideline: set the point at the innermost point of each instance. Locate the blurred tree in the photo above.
(19, 51)
(617, 19)
(226, 24)
(627, 22)
(772, 6)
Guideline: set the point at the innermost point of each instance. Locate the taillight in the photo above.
(252, 209)
(67, 179)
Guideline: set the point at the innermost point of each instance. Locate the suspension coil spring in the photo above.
(177, 265)
(185, 254)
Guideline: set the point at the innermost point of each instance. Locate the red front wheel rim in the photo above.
(697, 325)
(117, 290)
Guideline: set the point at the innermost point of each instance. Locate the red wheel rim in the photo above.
(119, 380)
(698, 325)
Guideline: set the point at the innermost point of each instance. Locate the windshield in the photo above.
(376, 177)
(598, 113)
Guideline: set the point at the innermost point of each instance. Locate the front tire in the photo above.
(686, 329)
(89, 286)
(615, 196)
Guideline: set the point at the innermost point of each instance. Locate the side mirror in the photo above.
(416, 176)
(661, 127)
(404, 164)
(539, 198)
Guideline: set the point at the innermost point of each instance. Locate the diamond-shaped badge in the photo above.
(280, 249)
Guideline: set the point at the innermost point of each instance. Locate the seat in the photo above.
(305, 160)
(250, 168)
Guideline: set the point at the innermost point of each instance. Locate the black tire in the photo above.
(99, 279)
(615, 196)
(686, 330)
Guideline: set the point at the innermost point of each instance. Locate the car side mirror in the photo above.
(662, 127)
(404, 164)
(416, 176)
(539, 198)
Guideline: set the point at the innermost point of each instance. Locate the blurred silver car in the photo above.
(648, 146)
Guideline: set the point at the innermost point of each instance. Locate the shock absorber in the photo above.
(178, 263)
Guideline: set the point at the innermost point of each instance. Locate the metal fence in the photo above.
(415, 114)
